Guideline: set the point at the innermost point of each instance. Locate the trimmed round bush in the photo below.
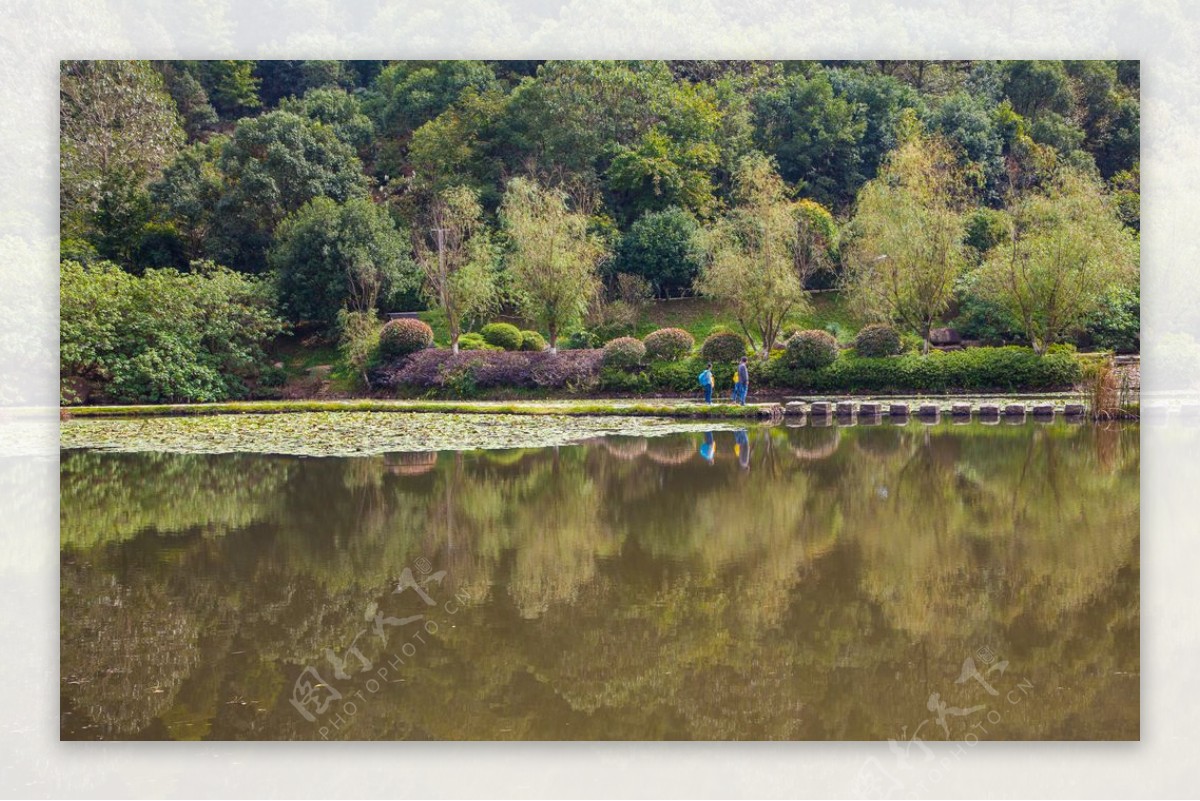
(402, 337)
(668, 344)
(624, 353)
(811, 350)
(474, 341)
(532, 340)
(502, 335)
(877, 339)
(723, 346)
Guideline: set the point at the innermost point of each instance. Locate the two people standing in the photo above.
(741, 383)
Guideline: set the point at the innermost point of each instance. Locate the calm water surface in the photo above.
(865, 582)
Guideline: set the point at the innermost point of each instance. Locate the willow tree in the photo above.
(906, 250)
(458, 259)
(752, 267)
(553, 261)
(1067, 250)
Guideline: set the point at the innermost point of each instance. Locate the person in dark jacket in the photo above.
(743, 383)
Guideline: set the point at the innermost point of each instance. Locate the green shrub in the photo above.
(532, 340)
(402, 337)
(678, 376)
(877, 340)
(973, 369)
(811, 350)
(668, 344)
(723, 346)
(615, 379)
(581, 340)
(164, 336)
(474, 341)
(359, 341)
(505, 336)
(624, 353)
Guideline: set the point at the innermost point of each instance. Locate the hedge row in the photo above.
(973, 369)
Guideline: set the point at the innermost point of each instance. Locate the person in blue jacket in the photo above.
(706, 381)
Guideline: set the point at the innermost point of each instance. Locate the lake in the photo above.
(940, 582)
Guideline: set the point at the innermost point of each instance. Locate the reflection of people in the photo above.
(708, 448)
(743, 382)
(741, 447)
(706, 381)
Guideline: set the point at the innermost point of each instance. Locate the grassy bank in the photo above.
(584, 408)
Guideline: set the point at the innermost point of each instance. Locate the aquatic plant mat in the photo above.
(358, 433)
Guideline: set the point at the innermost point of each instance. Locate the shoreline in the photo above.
(978, 405)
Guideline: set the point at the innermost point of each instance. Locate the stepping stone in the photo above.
(1043, 410)
(989, 411)
(845, 409)
(898, 410)
(820, 409)
(928, 410)
(1074, 410)
(960, 410)
(869, 409)
(793, 408)
(1014, 410)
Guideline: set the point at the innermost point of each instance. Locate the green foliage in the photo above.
(906, 253)
(474, 341)
(458, 261)
(505, 336)
(624, 353)
(360, 340)
(814, 135)
(404, 336)
(1068, 250)
(532, 341)
(752, 268)
(330, 256)
(1116, 324)
(723, 346)
(338, 109)
(665, 248)
(552, 258)
(165, 336)
(984, 229)
(232, 86)
(118, 128)
(270, 167)
(811, 350)
(973, 369)
(668, 344)
(877, 340)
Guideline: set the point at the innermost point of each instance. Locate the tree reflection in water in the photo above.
(813, 583)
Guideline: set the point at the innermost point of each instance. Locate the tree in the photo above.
(1066, 252)
(458, 259)
(906, 249)
(232, 85)
(814, 135)
(338, 109)
(753, 252)
(117, 130)
(165, 336)
(553, 259)
(332, 256)
(190, 98)
(664, 247)
(271, 166)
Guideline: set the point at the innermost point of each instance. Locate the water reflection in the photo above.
(816, 582)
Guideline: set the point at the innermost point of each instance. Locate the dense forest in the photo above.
(252, 198)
